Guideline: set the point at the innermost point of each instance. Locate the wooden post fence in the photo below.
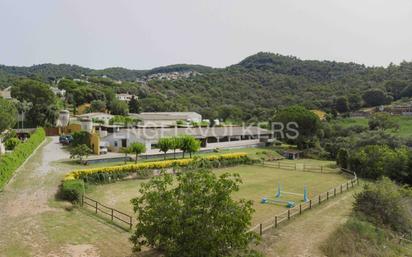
(111, 212)
(299, 209)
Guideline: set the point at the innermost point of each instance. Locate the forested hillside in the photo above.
(251, 90)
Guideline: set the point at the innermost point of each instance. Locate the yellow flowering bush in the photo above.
(156, 165)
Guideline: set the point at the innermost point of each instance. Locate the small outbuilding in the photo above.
(293, 154)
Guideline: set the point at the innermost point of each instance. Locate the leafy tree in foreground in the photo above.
(137, 148)
(79, 152)
(193, 215)
(8, 114)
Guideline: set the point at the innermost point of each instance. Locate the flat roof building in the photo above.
(210, 137)
(166, 119)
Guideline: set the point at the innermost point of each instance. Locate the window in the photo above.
(115, 143)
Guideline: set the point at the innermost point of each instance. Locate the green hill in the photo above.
(250, 90)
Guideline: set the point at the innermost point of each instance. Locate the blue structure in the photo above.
(305, 193)
(289, 204)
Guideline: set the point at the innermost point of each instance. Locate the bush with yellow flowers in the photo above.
(117, 172)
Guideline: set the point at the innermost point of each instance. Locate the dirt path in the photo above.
(33, 223)
(303, 236)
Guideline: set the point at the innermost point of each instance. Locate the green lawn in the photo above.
(348, 122)
(404, 122)
(258, 182)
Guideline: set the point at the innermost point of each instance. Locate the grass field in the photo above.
(258, 182)
(404, 122)
(348, 122)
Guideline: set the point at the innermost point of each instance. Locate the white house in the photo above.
(105, 117)
(125, 97)
(58, 92)
(166, 119)
(2, 148)
(6, 93)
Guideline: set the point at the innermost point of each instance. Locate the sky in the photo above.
(141, 34)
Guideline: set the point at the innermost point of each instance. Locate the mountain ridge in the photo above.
(283, 64)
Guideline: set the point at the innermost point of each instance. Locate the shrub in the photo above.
(358, 238)
(81, 138)
(382, 203)
(375, 161)
(10, 162)
(79, 152)
(11, 143)
(116, 172)
(342, 158)
(72, 190)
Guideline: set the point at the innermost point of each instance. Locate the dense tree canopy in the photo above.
(297, 119)
(342, 104)
(44, 110)
(249, 91)
(134, 105)
(118, 107)
(97, 106)
(8, 114)
(375, 97)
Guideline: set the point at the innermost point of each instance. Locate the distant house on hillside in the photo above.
(2, 148)
(6, 93)
(166, 119)
(125, 97)
(400, 110)
(58, 92)
(97, 116)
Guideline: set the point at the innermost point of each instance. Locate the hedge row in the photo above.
(10, 162)
(124, 170)
(74, 183)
